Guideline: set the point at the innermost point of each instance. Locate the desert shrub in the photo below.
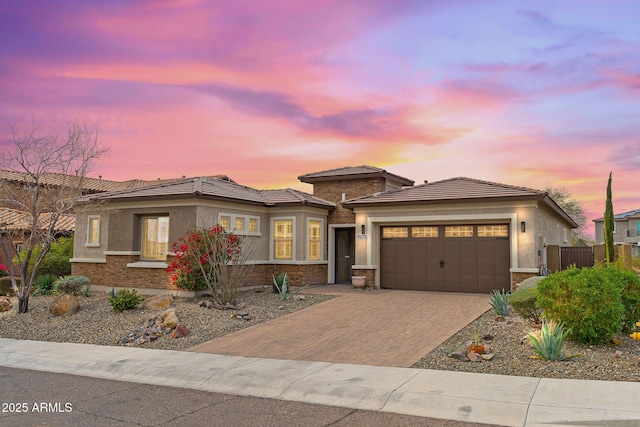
(524, 304)
(588, 301)
(500, 302)
(549, 344)
(71, 284)
(44, 284)
(530, 282)
(5, 285)
(125, 300)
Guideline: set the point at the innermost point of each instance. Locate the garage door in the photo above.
(451, 258)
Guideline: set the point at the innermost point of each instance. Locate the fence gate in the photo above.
(581, 256)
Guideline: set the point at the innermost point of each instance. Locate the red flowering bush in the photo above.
(4, 270)
(210, 258)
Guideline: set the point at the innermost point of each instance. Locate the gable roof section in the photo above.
(215, 189)
(456, 190)
(351, 172)
(621, 216)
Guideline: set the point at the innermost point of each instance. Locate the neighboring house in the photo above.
(626, 230)
(18, 224)
(460, 234)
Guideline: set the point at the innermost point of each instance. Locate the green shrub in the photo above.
(500, 302)
(588, 301)
(630, 282)
(281, 285)
(125, 300)
(44, 284)
(71, 284)
(549, 345)
(56, 261)
(524, 303)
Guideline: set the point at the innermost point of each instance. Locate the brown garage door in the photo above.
(452, 258)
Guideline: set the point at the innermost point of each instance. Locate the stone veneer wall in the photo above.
(115, 273)
(369, 274)
(332, 191)
(517, 278)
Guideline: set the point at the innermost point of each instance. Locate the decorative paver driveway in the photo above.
(379, 328)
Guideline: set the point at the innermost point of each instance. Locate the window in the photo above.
(225, 221)
(253, 225)
(93, 231)
(493, 231)
(283, 239)
(395, 232)
(421, 232)
(458, 231)
(314, 240)
(239, 228)
(155, 237)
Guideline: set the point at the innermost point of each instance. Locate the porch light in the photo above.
(523, 227)
(362, 229)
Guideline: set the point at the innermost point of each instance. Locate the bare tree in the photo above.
(43, 178)
(572, 206)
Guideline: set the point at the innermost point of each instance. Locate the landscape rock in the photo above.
(5, 304)
(170, 318)
(64, 305)
(474, 357)
(206, 304)
(487, 356)
(158, 301)
(299, 297)
(618, 354)
(461, 356)
(180, 331)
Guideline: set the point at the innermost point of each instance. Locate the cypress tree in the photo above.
(608, 225)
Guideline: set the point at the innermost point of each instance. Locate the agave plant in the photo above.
(500, 302)
(549, 345)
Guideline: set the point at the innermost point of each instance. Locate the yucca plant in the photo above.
(44, 284)
(500, 302)
(281, 283)
(549, 345)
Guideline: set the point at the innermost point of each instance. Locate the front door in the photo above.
(345, 253)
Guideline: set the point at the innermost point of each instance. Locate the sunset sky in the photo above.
(530, 93)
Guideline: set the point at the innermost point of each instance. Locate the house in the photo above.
(626, 230)
(459, 234)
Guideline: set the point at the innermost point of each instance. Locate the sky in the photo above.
(529, 93)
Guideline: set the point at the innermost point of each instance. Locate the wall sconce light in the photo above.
(362, 229)
(523, 227)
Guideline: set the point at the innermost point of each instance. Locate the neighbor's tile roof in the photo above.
(352, 172)
(624, 215)
(88, 184)
(12, 220)
(214, 188)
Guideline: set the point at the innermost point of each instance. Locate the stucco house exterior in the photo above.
(461, 234)
(626, 230)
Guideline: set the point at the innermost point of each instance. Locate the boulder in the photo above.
(170, 318)
(5, 304)
(181, 331)
(159, 301)
(63, 305)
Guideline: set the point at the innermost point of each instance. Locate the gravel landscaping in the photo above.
(97, 323)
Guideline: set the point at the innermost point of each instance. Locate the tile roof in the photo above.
(214, 188)
(460, 189)
(13, 220)
(91, 185)
(352, 172)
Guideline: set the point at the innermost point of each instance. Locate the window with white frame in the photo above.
(314, 240)
(283, 239)
(155, 237)
(240, 224)
(93, 230)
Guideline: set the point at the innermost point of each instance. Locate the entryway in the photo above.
(345, 254)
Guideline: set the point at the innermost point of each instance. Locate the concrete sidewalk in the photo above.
(477, 398)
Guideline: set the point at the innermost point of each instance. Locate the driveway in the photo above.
(378, 328)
